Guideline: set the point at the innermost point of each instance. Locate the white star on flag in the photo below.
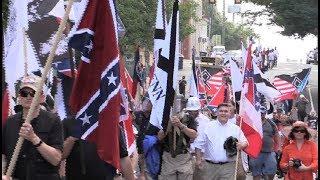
(112, 79)
(85, 119)
(89, 46)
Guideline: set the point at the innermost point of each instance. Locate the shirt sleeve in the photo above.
(199, 142)
(284, 159)
(192, 124)
(55, 138)
(314, 153)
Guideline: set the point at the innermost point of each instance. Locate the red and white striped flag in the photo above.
(287, 89)
(251, 124)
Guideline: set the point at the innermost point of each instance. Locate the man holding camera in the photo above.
(219, 142)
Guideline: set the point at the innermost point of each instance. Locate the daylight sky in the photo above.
(289, 48)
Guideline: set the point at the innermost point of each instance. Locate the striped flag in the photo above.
(291, 85)
(212, 79)
(251, 124)
(125, 116)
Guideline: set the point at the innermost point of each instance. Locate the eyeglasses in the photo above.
(25, 93)
(299, 130)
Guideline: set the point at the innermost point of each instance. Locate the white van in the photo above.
(219, 49)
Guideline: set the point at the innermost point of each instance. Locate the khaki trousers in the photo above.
(217, 171)
(178, 168)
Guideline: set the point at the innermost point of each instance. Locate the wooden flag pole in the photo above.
(238, 152)
(25, 51)
(35, 101)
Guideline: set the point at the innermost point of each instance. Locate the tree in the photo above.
(233, 32)
(298, 17)
(5, 13)
(139, 17)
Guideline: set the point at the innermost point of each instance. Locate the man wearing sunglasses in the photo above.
(41, 151)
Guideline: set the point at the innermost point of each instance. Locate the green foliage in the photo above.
(187, 12)
(233, 32)
(139, 16)
(5, 13)
(298, 17)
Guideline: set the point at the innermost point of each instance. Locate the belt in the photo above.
(220, 163)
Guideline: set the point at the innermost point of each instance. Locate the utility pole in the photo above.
(223, 34)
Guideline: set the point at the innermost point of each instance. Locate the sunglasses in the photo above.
(298, 130)
(25, 93)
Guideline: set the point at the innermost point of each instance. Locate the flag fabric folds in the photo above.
(263, 85)
(14, 60)
(126, 120)
(95, 97)
(291, 85)
(250, 120)
(162, 88)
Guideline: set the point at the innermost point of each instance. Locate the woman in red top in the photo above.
(302, 149)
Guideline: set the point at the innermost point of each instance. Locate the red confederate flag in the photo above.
(125, 116)
(249, 110)
(95, 96)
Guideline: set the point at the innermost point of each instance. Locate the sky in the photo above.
(289, 48)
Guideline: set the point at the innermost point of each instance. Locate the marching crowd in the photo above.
(197, 144)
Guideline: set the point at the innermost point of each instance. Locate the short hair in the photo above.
(223, 105)
(307, 133)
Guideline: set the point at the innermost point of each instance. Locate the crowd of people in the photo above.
(197, 144)
(266, 59)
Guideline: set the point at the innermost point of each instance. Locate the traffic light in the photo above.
(237, 1)
(214, 2)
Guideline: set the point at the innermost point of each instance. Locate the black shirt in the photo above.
(31, 164)
(141, 122)
(181, 148)
(84, 163)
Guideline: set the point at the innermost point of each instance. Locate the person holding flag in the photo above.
(219, 163)
(42, 152)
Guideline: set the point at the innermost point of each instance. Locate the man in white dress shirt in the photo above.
(210, 141)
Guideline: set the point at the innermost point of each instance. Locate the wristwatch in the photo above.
(183, 127)
(39, 144)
